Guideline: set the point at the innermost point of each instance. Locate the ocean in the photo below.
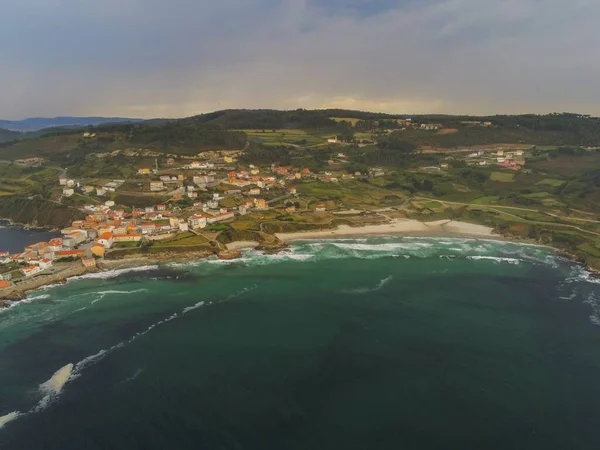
(14, 238)
(375, 343)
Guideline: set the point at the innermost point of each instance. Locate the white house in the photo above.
(183, 226)
(45, 264)
(31, 270)
(197, 221)
(220, 217)
(68, 192)
(109, 203)
(106, 239)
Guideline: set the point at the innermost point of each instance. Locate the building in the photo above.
(183, 226)
(106, 239)
(148, 228)
(333, 140)
(144, 171)
(156, 186)
(197, 221)
(68, 192)
(321, 207)
(4, 284)
(88, 262)
(98, 250)
(255, 191)
(45, 263)
(170, 161)
(221, 217)
(261, 204)
(127, 237)
(100, 192)
(31, 270)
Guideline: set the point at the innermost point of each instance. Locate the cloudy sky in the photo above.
(174, 58)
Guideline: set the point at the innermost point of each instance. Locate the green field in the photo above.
(283, 136)
(182, 240)
(554, 182)
(502, 177)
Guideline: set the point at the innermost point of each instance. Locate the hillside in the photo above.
(38, 123)
(8, 135)
(71, 147)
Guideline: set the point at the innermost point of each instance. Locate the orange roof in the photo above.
(97, 245)
(107, 235)
(4, 284)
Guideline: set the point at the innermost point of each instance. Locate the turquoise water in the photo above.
(379, 343)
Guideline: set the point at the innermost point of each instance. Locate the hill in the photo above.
(39, 123)
(8, 135)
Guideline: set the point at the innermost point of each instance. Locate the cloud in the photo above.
(153, 58)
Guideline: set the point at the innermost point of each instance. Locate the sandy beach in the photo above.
(239, 245)
(398, 226)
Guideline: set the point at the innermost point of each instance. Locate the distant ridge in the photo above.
(38, 123)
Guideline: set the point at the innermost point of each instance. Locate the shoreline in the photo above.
(404, 227)
(397, 227)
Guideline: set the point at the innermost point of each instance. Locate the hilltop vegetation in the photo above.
(8, 135)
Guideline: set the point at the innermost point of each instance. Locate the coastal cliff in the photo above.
(38, 212)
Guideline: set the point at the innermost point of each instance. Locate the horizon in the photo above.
(94, 116)
(176, 59)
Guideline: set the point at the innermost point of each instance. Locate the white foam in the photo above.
(113, 273)
(103, 294)
(495, 259)
(39, 297)
(52, 388)
(8, 418)
(191, 308)
(380, 285)
(56, 383)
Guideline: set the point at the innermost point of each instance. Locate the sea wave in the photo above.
(365, 290)
(496, 259)
(114, 273)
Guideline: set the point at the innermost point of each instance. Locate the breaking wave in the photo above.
(103, 294)
(114, 273)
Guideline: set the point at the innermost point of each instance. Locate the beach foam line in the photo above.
(113, 273)
(497, 259)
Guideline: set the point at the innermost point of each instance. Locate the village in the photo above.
(217, 190)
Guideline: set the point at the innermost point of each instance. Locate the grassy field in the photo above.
(283, 136)
(182, 240)
(502, 177)
(554, 182)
